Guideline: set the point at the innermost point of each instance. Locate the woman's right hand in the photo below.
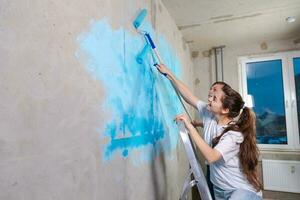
(164, 70)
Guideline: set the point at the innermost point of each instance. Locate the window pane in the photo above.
(265, 84)
(296, 63)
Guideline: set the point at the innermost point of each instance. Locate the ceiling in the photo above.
(211, 23)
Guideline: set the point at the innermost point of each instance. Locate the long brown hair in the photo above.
(249, 152)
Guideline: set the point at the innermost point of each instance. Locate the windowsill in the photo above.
(279, 148)
(279, 154)
(279, 151)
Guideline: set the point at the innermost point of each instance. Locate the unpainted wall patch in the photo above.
(263, 46)
(195, 54)
(197, 81)
(206, 53)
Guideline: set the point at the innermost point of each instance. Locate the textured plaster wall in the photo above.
(57, 101)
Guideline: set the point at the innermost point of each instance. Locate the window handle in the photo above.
(286, 103)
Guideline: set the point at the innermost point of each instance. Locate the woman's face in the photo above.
(214, 88)
(215, 104)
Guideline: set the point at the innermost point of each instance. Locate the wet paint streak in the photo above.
(141, 101)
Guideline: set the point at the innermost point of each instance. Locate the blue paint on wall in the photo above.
(141, 101)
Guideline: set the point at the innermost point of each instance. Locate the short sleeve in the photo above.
(229, 144)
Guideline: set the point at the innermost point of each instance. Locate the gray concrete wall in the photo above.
(53, 109)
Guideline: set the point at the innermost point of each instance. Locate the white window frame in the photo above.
(289, 95)
(290, 56)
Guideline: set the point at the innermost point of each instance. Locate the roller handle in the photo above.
(147, 35)
(150, 40)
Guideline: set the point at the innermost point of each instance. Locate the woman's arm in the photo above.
(210, 154)
(197, 123)
(184, 91)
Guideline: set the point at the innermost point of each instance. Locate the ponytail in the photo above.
(249, 152)
(248, 149)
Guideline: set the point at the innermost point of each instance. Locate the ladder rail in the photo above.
(195, 168)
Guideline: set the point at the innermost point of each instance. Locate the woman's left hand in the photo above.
(183, 118)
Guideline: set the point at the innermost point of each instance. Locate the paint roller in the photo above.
(141, 56)
(137, 23)
(139, 19)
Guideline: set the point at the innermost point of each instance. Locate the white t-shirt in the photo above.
(225, 173)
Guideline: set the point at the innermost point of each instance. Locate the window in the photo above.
(274, 84)
(296, 64)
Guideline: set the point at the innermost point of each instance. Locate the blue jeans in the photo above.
(237, 194)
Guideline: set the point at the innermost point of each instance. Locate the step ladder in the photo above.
(195, 169)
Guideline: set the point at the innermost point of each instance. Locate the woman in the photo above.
(233, 156)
